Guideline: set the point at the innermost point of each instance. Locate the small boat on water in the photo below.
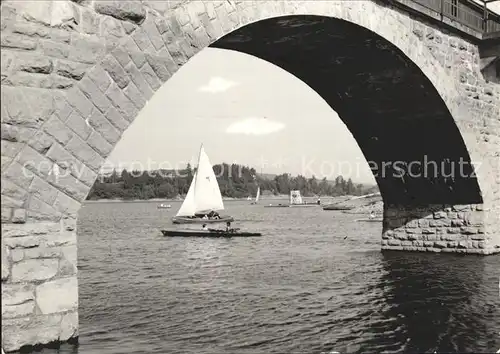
(256, 197)
(337, 207)
(277, 206)
(296, 200)
(371, 218)
(213, 233)
(203, 199)
(164, 206)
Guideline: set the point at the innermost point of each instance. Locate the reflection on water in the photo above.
(302, 288)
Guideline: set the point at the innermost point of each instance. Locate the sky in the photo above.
(244, 110)
(493, 6)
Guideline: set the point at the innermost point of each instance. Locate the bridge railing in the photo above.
(461, 11)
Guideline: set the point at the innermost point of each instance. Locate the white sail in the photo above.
(295, 197)
(204, 193)
(207, 193)
(188, 207)
(258, 194)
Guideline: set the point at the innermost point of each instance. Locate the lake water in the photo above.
(315, 282)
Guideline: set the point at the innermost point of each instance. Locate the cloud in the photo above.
(217, 84)
(255, 126)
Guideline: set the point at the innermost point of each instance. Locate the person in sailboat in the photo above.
(372, 215)
(205, 227)
(213, 215)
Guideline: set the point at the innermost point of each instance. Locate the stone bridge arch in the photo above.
(76, 74)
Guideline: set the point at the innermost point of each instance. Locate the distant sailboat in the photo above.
(257, 196)
(203, 199)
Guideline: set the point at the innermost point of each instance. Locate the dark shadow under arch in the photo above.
(394, 112)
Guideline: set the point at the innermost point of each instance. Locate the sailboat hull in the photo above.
(200, 221)
(208, 233)
(303, 205)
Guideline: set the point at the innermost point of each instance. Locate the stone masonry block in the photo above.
(34, 269)
(85, 153)
(117, 119)
(34, 162)
(78, 100)
(17, 300)
(65, 290)
(69, 326)
(115, 71)
(40, 211)
(55, 49)
(86, 49)
(151, 31)
(141, 38)
(58, 130)
(32, 63)
(135, 53)
(100, 77)
(22, 331)
(71, 69)
(150, 76)
(62, 157)
(124, 106)
(132, 11)
(70, 185)
(88, 20)
(98, 143)
(12, 190)
(90, 89)
(139, 81)
(79, 125)
(43, 190)
(135, 96)
(18, 174)
(10, 202)
(10, 148)
(17, 41)
(104, 127)
(158, 64)
(66, 205)
(121, 56)
(112, 29)
(6, 214)
(62, 108)
(17, 108)
(16, 133)
(19, 216)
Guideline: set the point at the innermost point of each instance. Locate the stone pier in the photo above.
(39, 284)
(437, 228)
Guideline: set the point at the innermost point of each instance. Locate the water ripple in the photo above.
(300, 289)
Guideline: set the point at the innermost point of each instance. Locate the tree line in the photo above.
(235, 181)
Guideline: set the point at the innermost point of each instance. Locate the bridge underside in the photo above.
(393, 111)
(421, 164)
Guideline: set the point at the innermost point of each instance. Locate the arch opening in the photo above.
(399, 120)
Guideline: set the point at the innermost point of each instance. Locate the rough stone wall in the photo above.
(39, 284)
(76, 74)
(480, 101)
(452, 229)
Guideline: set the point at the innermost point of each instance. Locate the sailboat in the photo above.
(257, 196)
(296, 200)
(203, 198)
